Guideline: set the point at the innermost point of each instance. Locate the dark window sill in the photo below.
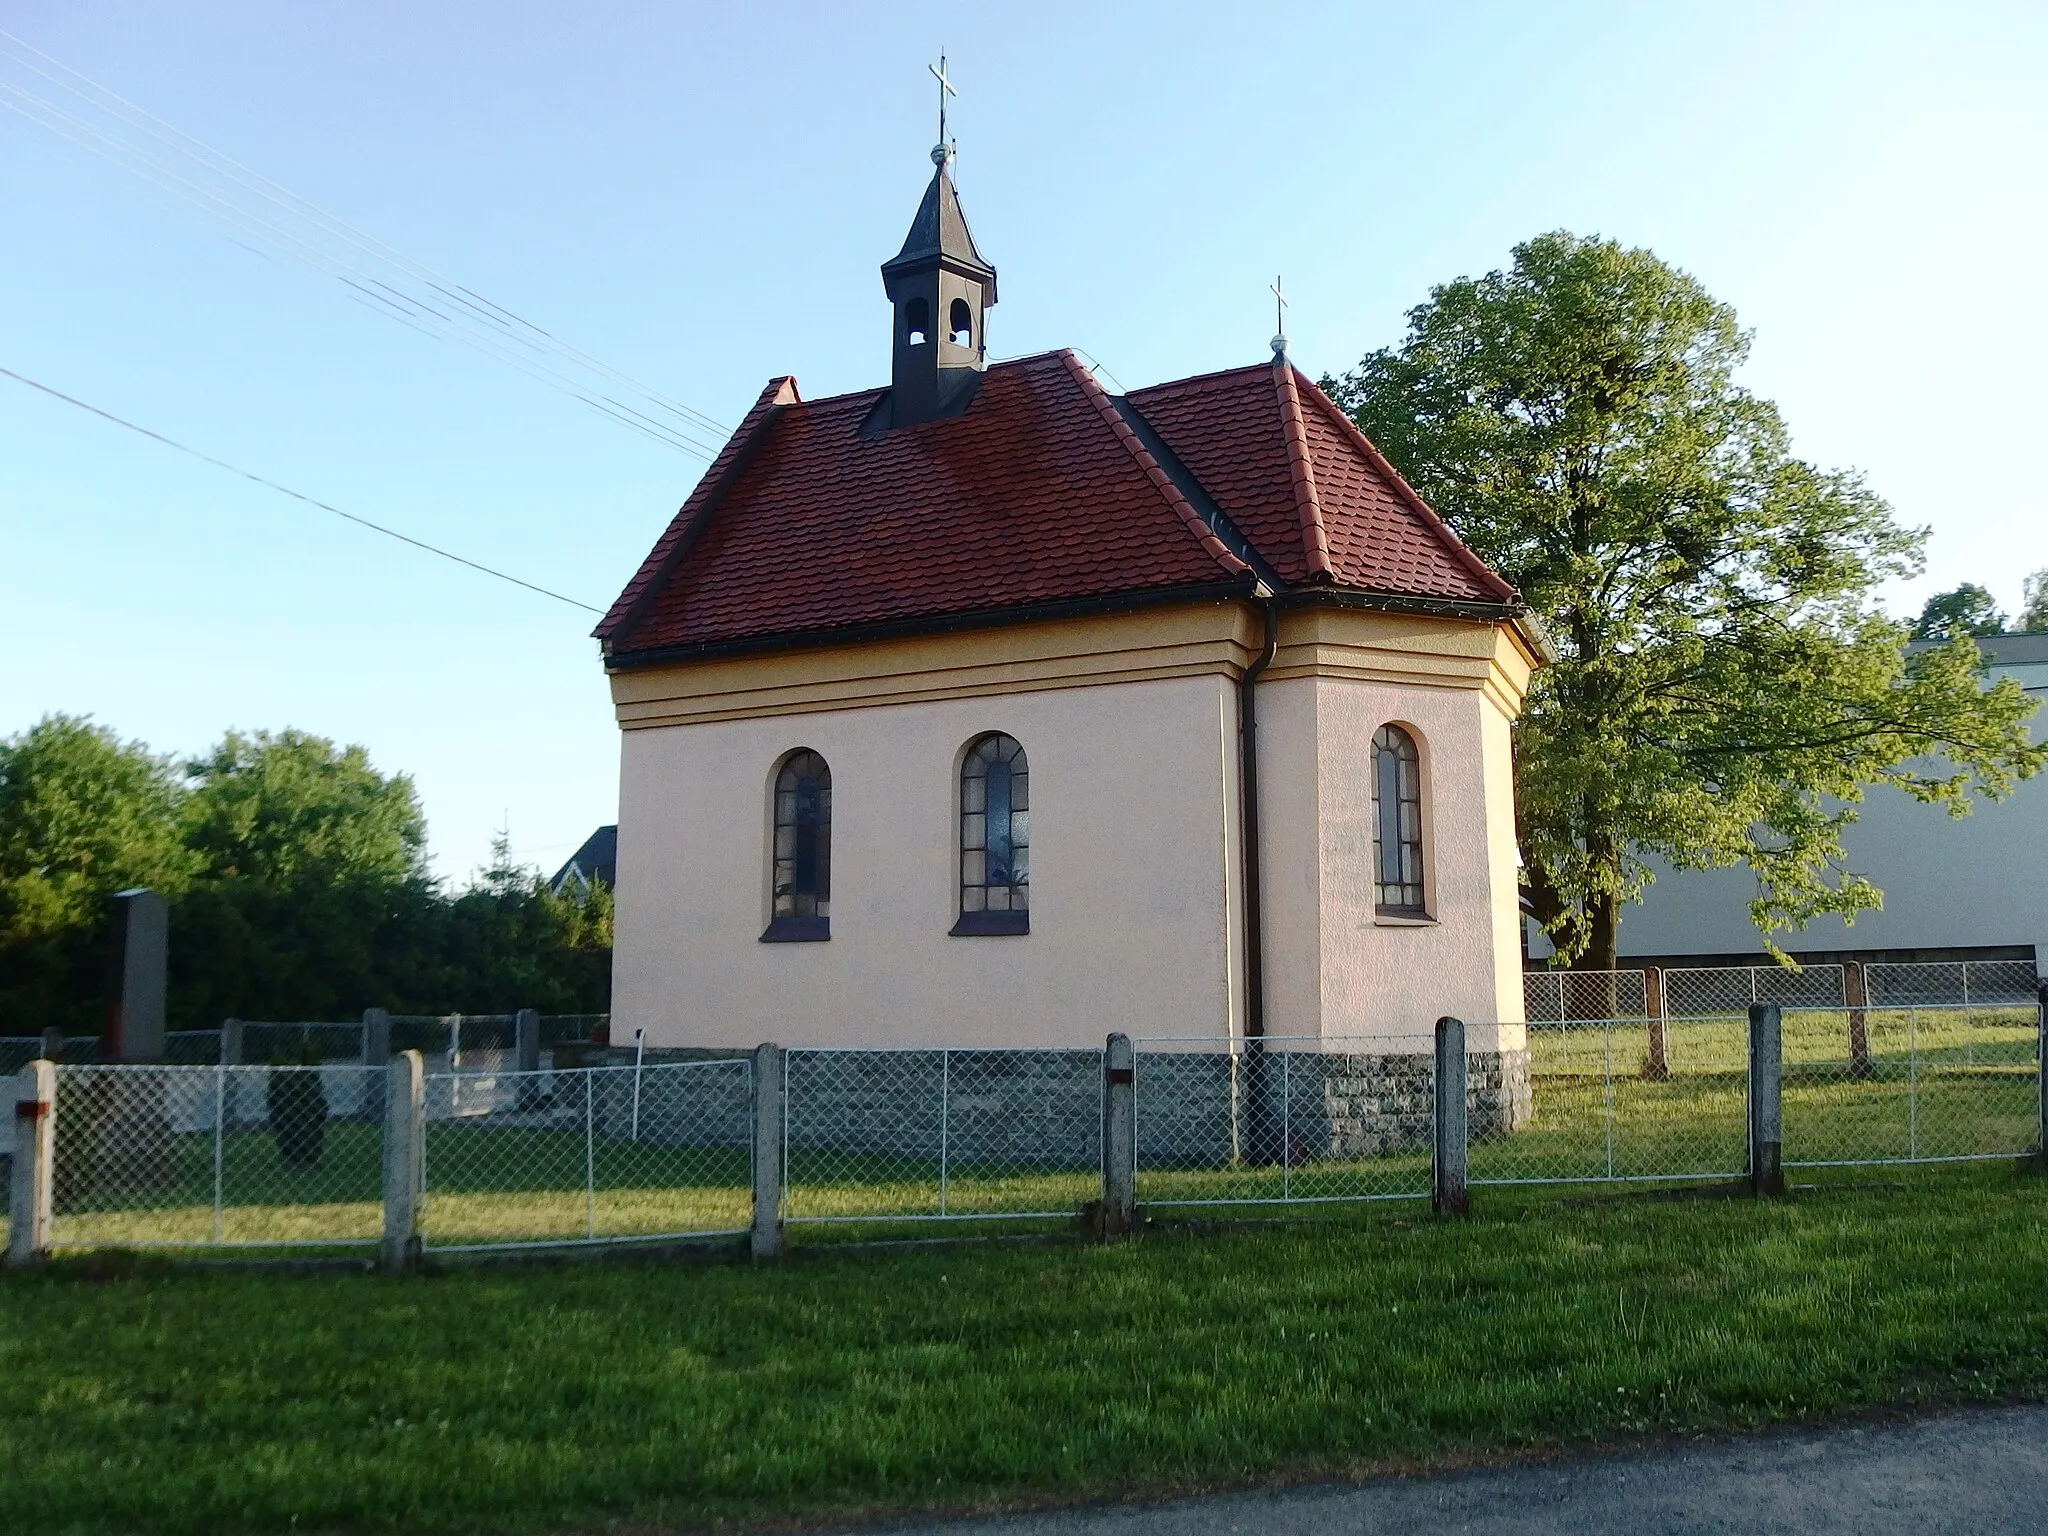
(987, 924)
(797, 930)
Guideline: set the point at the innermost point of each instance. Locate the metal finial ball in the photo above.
(1279, 346)
(941, 153)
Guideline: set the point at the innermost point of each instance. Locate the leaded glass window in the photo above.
(801, 878)
(1397, 822)
(995, 838)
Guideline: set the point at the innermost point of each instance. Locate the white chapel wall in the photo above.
(1333, 965)
(1132, 797)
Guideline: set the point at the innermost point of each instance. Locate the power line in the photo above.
(285, 490)
(364, 288)
(463, 315)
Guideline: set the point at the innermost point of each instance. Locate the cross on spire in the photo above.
(1279, 318)
(946, 88)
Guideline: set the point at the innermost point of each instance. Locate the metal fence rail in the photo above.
(181, 1157)
(1292, 1121)
(1624, 1101)
(941, 1135)
(590, 1155)
(1867, 1087)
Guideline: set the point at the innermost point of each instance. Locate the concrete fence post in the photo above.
(231, 1042)
(35, 1145)
(2039, 1162)
(376, 1037)
(1766, 1106)
(771, 1103)
(52, 1048)
(405, 1146)
(526, 1058)
(1119, 1136)
(1447, 1191)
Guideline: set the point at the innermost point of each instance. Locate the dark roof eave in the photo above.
(1069, 608)
(1401, 602)
(1222, 591)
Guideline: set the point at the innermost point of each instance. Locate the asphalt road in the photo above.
(1977, 1471)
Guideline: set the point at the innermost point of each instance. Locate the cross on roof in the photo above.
(946, 89)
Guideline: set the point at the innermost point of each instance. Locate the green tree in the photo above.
(1725, 689)
(292, 810)
(82, 814)
(2034, 604)
(1966, 610)
(313, 877)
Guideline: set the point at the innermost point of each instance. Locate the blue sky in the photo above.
(700, 196)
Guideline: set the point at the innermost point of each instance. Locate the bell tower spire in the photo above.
(941, 291)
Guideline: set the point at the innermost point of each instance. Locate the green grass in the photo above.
(564, 1398)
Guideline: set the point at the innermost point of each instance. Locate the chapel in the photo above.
(992, 708)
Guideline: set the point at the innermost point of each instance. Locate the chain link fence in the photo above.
(937, 1135)
(590, 1155)
(1285, 1121)
(2001, 983)
(1552, 996)
(1625, 1100)
(181, 1157)
(270, 1042)
(1870, 1086)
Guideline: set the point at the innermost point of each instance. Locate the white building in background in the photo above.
(990, 708)
(1974, 888)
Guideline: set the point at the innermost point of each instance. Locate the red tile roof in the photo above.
(1040, 492)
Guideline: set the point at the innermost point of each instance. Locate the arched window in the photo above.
(917, 321)
(1397, 822)
(962, 325)
(800, 873)
(995, 838)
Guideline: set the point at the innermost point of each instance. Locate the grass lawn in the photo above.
(566, 1397)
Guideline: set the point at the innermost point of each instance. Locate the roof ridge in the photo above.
(698, 506)
(1458, 548)
(1161, 481)
(1315, 538)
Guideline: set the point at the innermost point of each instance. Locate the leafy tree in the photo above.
(83, 814)
(1967, 610)
(1725, 688)
(291, 810)
(2034, 605)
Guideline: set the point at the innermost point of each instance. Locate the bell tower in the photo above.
(941, 291)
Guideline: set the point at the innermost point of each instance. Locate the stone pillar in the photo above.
(770, 1104)
(139, 949)
(35, 1144)
(404, 1161)
(1119, 1137)
(1766, 1108)
(376, 1037)
(1448, 1194)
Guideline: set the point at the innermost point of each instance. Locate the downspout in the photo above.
(1248, 816)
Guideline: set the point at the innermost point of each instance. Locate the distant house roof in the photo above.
(817, 517)
(595, 863)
